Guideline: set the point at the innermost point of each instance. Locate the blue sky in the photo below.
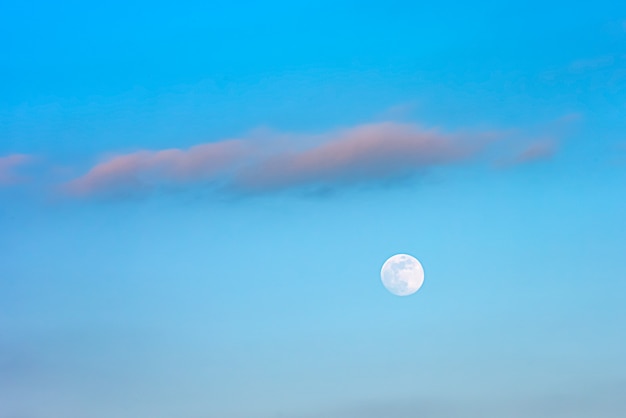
(196, 200)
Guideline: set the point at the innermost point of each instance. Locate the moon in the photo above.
(402, 274)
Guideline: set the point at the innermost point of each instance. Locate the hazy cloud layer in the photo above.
(605, 401)
(362, 154)
(9, 166)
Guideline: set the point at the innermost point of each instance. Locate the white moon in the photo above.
(402, 275)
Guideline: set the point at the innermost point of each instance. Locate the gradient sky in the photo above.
(196, 199)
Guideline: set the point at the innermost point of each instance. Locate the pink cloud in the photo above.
(9, 166)
(149, 169)
(363, 153)
(538, 150)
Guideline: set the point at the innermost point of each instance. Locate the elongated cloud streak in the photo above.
(365, 153)
(150, 169)
(538, 150)
(8, 166)
(362, 154)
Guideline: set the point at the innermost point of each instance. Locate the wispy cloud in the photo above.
(591, 64)
(534, 151)
(362, 154)
(143, 170)
(9, 166)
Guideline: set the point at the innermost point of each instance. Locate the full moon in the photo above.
(402, 275)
